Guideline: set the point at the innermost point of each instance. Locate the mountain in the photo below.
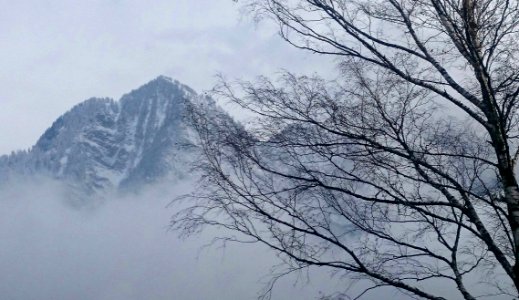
(102, 144)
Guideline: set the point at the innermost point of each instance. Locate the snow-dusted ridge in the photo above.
(102, 144)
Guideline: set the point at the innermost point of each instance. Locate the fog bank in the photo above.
(122, 249)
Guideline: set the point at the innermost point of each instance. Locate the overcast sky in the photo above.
(55, 54)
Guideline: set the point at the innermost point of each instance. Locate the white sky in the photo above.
(55, 54)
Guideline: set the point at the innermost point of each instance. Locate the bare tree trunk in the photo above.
(512, 199)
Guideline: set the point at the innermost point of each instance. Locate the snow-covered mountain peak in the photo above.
(105, 144)
(163, 84)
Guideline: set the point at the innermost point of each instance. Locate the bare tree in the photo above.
(400, 173)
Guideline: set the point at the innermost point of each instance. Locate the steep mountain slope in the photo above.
(102, 144)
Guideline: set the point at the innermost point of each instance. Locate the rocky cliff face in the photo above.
(105, 144)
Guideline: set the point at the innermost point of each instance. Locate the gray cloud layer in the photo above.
(122, 250)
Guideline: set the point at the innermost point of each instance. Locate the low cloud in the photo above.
(122, 249)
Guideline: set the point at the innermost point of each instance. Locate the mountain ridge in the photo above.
(103, 144)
